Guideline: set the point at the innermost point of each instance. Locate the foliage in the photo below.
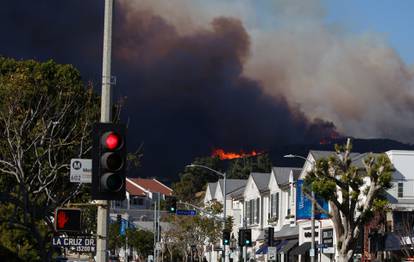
(194, 180)
(141, 241)
(191, 231)
(241, 168)
(354, 188)
(46, 114)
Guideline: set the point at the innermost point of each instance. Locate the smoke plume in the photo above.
(202, 76)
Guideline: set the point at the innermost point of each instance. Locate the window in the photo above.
(274, 205)
(257, 216)
(400, 189)
(138, 201)
(288, 202)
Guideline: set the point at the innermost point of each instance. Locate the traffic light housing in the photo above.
(247, 237)
(269, 235)
(171, 204)
(108, 161)
(68, 220)
(226, 237)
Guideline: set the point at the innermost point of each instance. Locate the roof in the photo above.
(232, 184)
(133, 189)
(282, 174)
(357, 158)
(152, 185)
(261, 180)
(238, 193)
(212, 187)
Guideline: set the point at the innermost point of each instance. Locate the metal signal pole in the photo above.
(106, 107)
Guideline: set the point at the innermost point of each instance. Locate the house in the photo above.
(281, 209)
(140, 196)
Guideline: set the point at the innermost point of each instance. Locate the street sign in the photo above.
(80, 170)
(76, 243)
(271, 253)
(184, 212)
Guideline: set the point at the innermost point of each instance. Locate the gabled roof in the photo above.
(282, 174)
(232, 184)
(238, 193)
(152, 185)
(357, 158)
(261, 180)
(134, 189)
(212, 187)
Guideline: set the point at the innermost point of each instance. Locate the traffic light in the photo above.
(108, 161)
(171, 204)
(241, 237)
(68, 219)
(226, 237)
(269, 235)
(247, 238)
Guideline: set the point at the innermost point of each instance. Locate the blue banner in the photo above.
(304, 204)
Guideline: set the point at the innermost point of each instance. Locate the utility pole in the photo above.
(106, 107)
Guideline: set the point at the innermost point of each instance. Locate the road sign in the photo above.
(183, 212)
(76, 243)
(80, 170)
(271, 253)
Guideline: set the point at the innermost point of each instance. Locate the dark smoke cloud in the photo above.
(186, 93)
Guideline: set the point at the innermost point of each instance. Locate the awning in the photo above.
(392, 242)
(302, 249)
(287, 232)
(262, 250)
(288, 246)
(281, 244)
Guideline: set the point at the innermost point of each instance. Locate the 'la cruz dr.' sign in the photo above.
(76, 243)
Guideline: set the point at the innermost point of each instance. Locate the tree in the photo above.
(241, 168)
(186, 232)
(46, 114)
(194, 180)
(141, 240)
(353, 192)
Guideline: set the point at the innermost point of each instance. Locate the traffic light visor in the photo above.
(111, 140)
(112, 161)
(112, 182)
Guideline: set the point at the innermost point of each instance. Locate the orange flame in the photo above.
(232, 155)
(329, 139)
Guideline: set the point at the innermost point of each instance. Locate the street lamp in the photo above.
(312, 251)
(224, 193)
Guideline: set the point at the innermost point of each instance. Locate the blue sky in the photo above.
(393, 19)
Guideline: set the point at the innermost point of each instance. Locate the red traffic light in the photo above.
(111, 140)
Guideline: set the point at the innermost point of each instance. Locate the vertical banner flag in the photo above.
(304, 204)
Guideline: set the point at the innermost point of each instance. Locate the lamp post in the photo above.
(224, 201)
(312, 251)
